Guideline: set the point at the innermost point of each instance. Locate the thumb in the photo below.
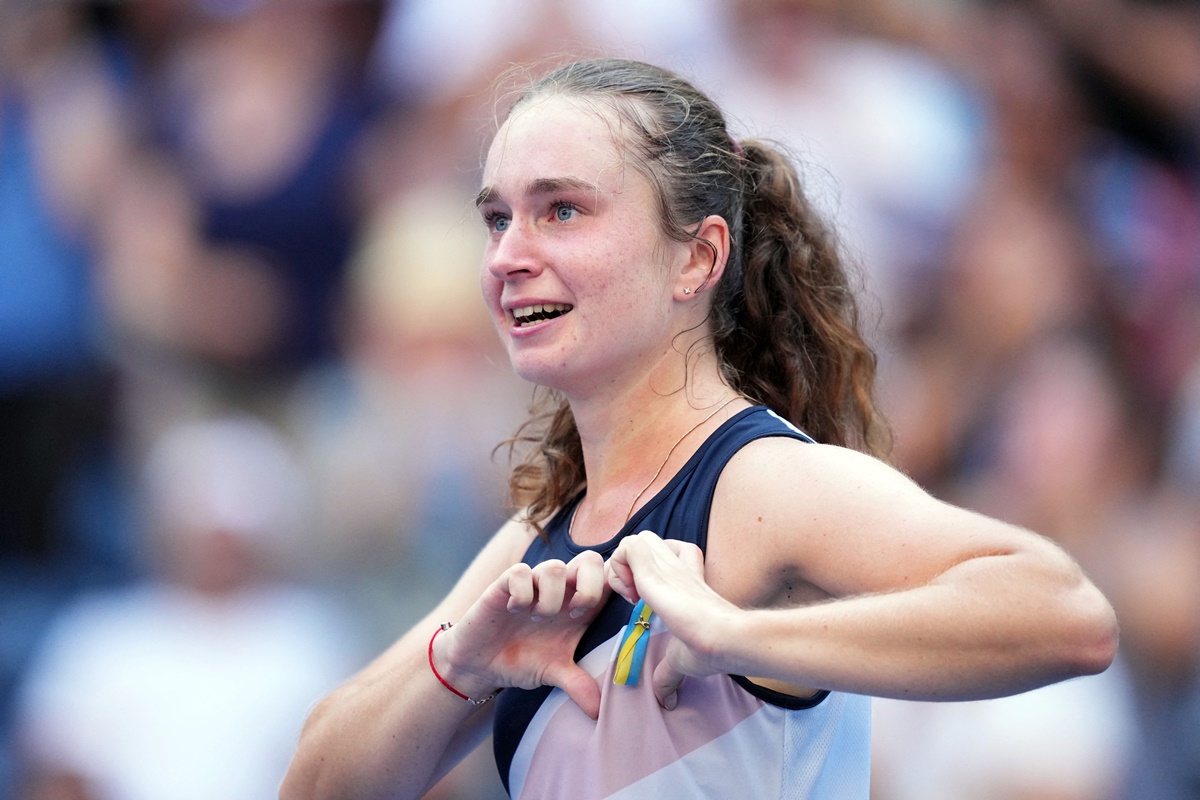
(666, 684)
(579, 685)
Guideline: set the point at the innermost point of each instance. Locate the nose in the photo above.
(514, 254)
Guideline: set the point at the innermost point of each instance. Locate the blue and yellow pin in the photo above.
(633, 646)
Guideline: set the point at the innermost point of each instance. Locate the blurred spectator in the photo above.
(264, 205)
(1058, 454)
(1154, 560)
(1062, 454)
(1154, 554)
(1064, 742)
(58, 142)
(1014, 272)
(259, 107)
(447, 66)
(1183, 448)
(194, 683)
(400, 431)
(433, 53)
(61, 494)
(1138, 64)
(1045, 433)
(888, 138)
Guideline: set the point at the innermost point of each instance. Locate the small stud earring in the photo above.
(687, 291)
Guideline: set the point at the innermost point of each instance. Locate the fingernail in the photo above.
(576, 613)
(670, 701)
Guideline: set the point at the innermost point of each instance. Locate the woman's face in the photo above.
(577, 275)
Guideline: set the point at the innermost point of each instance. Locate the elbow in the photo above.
(302, 779)
(292, 787)
(298, 782)
(306, 778)
(1096, 636)
(1104, 648)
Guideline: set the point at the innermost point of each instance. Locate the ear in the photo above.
(707, 253)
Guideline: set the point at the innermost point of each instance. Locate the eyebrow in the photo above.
(540, 186)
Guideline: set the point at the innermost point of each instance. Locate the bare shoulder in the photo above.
(822, 462)
(822, 484)
(839, 522)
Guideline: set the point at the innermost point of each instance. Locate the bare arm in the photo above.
(394, 730)
(826, 568)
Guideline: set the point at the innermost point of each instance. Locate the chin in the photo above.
(551, 375)
(550, 379)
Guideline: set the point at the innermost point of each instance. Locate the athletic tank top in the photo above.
(726, 738)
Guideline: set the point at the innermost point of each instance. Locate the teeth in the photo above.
(539, 311)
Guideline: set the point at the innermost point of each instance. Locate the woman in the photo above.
(681, 299)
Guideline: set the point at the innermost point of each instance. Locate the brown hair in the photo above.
(785, 321)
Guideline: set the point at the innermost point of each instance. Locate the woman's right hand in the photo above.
(523, 630)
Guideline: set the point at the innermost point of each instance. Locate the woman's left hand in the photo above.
(669, 576)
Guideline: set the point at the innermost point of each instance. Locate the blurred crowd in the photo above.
(250, 400)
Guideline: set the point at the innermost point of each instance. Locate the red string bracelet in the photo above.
(445, 626)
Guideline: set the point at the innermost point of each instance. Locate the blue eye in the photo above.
(495, 221)
(563, 212)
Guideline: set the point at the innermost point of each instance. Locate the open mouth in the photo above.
(528, 315)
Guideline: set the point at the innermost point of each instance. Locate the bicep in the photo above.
(843, 522)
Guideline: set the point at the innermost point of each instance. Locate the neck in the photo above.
(635, 442)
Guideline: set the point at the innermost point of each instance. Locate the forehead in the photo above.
(557, 137)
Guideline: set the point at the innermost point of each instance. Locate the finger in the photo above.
(663, 557)
(666, 684)
(517, 582)
(579, 686)
(642, 555)
(690, 556)
(549, 580)
(620, 578)
(585, 573)
(646, 549)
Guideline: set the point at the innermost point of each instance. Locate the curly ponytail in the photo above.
(788, 335)
(784, 318)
